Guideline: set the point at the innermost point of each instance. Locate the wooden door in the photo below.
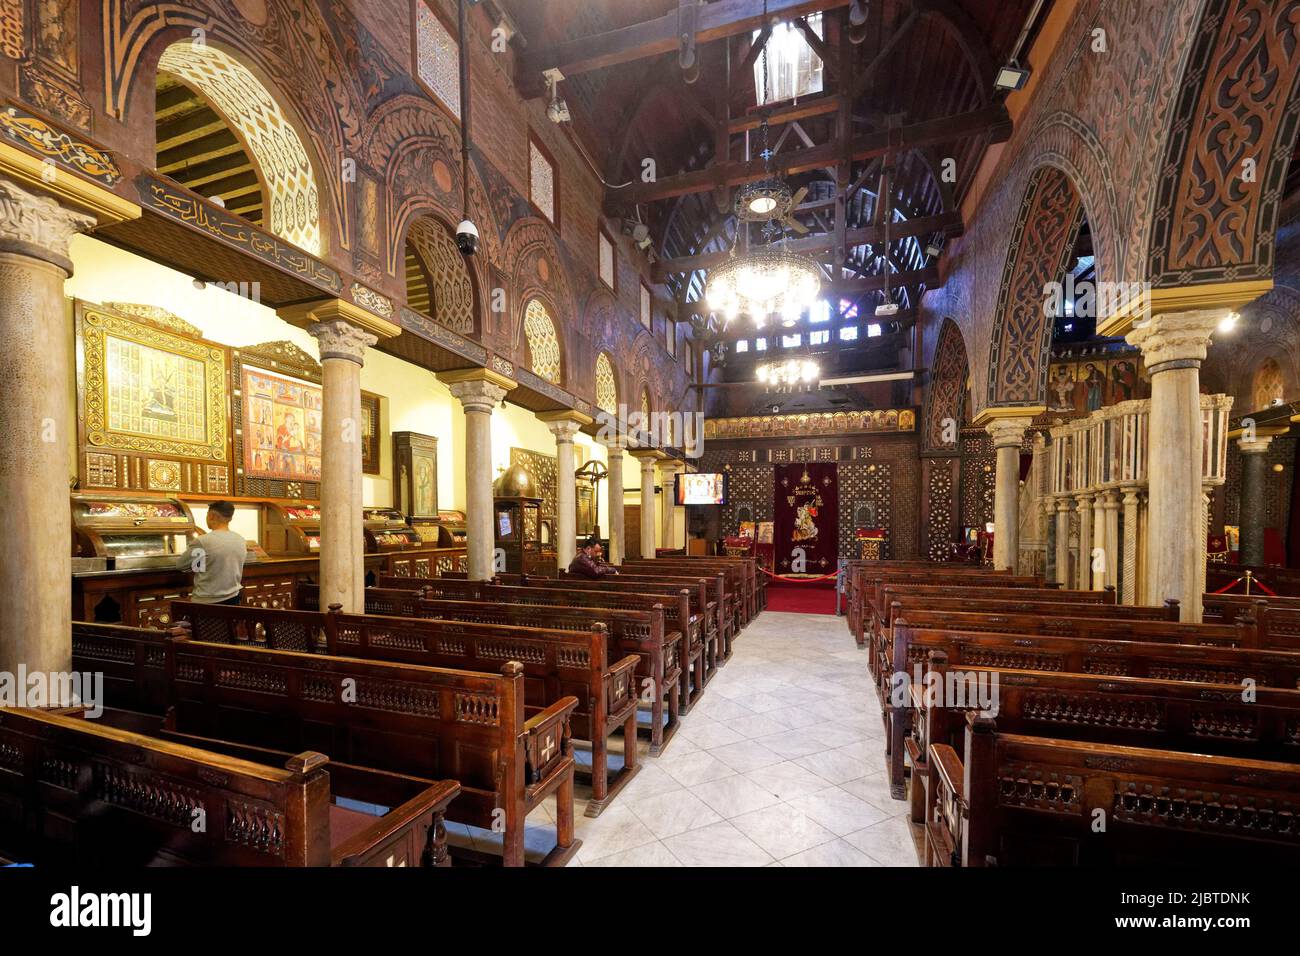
(632, 531)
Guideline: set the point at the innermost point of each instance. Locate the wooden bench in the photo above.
(675, 608)
(742, 592)
(874, 602)
(630, 632)
(404, 718)
(1277, 619)
(1014, 800)
(860, 575)
(557, 664)
(78, 792)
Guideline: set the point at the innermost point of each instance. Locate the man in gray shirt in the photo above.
(217, 559)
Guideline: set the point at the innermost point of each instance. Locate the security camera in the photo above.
(467, 238)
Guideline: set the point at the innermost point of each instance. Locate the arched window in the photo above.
(437, 282)
(243, 105)
(543, 344)
(645, 408)
(606, 387)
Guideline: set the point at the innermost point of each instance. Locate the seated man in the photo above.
(586, 565)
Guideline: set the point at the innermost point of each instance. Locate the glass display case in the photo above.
(517, 521)
(386, 530)
(121, 532)
(291, 528)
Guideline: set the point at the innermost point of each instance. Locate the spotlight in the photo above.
(933, 249)
(1228, 322)
(557, 110)
(886, 309)
(1011, 77)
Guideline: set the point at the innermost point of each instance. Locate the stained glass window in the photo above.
(437, 58)
(543, 345)
(606, 388)
(670, 336)
(646, 316)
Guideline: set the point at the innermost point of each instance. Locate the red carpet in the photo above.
(817, 598)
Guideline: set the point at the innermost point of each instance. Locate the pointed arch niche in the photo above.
(242, 108)
(544, 356)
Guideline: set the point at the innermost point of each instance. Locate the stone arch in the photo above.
(1048, 222)
(287, 170)
(606, 384)
(1237, 105)
(545, 351)
(945, 398)
(538, 269)
(454, 288)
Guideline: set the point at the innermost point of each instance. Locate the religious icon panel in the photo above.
(282, 437)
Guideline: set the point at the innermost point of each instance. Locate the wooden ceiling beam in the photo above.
(716, 21)
(993, 120)
(949, 223)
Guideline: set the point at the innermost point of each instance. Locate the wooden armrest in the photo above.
(431, 801)
(948, 765)
(546, 739)
(619, 683)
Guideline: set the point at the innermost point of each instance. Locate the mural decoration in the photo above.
(1085, 384)
(811, 423)
(281, 426)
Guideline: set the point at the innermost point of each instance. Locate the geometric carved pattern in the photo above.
(11, 28)
(606, 388)
(1212, 223)
(940, 522)
(1041, 242)
(543, 345)
(545, 472)
(240, 98)
(977, 474)
(541, 177)
(947, 393)
(865, 484)
(452, 294)
(437, 58)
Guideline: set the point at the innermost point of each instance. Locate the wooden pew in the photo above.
(404, 718)
(1126, 656)
(718, 601)
(874, 602)
(676, 610)
(752, 574)
(630, 632)
(1015, 800)
(729, 582)
(742, 580)
(557, 664)
(1277, 618)
(858, 572)
(78, 792)
(702, 619)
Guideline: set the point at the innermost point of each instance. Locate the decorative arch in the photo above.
(451, 290)
(606, 385)
(1045, 231)
(246, 105)
(544, 353)
(946, 397)
(1237, 105)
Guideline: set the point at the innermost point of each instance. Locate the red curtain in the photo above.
(806, 517)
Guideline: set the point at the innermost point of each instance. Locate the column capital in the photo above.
(613, 446)
(1008, 431)
(1254, 446)
(36, 225)
(565, 423)
(1063, 504)
(563, 429)
(1084, 500)
(1175, 339)
(339, 339)
(322, 311)
(647, 456)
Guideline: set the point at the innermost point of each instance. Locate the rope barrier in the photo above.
(1253, 580)
(781, 577)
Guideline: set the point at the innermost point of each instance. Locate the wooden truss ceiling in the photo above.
(916, 89)
(196, 148)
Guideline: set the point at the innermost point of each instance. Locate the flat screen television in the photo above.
(702, 489)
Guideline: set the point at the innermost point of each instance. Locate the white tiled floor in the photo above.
(781, 763)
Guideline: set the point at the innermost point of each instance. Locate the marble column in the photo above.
(1008, 435)
(1063, 541)
(1250, 505)
(1084, 577)
(1128, 586)
(1049, 537)
(564, 425)
(38, 422)
(1099, 541)
(1110, 538)
(668, 471)
(479, 391)
(614, 449)
(342, 530)
(647, 459)
(1173, 346)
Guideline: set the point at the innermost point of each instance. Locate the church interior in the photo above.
(649, 433)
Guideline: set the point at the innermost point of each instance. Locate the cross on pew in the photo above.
(676, 610)
(1170, 655)
(630, 632)
(425, 722)
(557, 664)
(1011, 799)
(81, 792)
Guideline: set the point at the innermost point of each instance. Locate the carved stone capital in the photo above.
(477, 395)
(1008, 432)
(614, 446)
(1181, 338)
(1255, 446)
(563, 430)
(342, 340)
(38, 226)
